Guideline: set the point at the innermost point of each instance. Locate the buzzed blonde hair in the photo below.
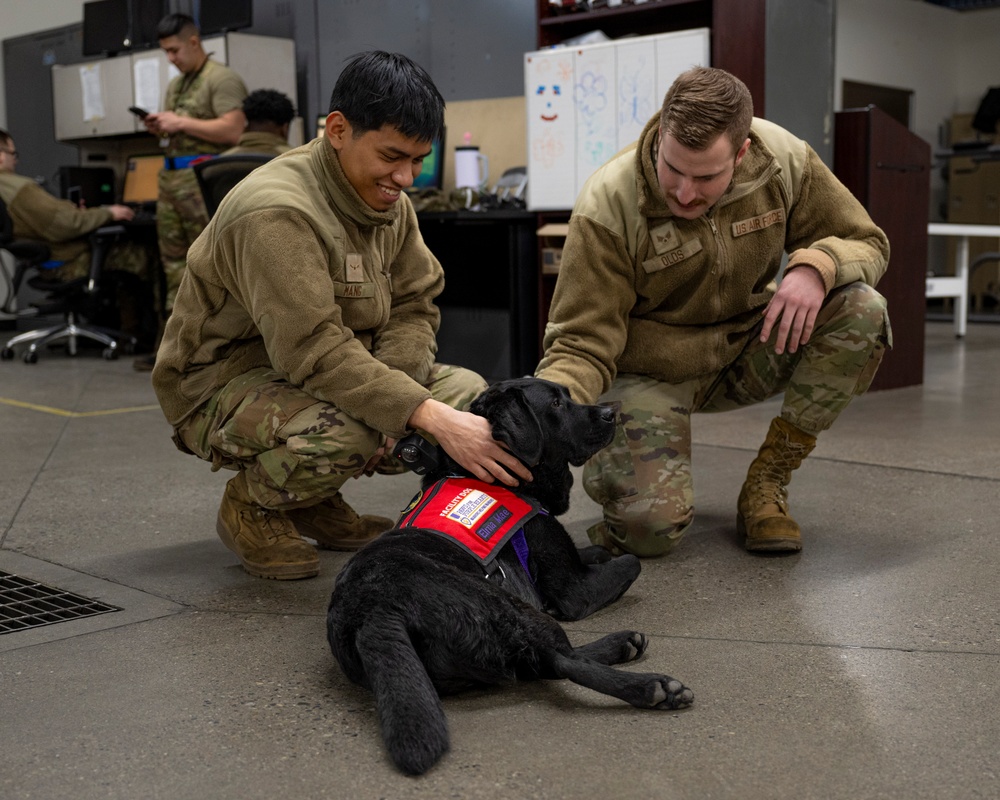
(703, 103)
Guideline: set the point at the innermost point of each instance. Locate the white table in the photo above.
(957, 286)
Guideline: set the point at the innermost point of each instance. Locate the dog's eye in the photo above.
(557, 402)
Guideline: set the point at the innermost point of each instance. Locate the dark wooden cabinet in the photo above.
(888, 169)
(490, 302)
(738, 30)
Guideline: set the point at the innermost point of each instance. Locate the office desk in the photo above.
(489, 306)
(957, 286)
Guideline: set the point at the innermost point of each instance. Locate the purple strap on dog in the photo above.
(520, 545)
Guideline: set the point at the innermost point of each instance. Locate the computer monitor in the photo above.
(146, 16)
(94, 186)
(106, 28)
(141, 179)
(219, 16)
(988, 113)
(432, 175)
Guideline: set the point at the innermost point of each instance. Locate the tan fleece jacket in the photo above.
(38, 215)
(296, 273)
(641, 291)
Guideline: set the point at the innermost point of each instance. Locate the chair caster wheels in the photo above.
(30, 357)
(6, 354)
(110, 353)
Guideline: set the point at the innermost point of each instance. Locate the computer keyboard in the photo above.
(144, 214)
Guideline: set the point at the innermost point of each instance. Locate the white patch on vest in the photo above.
(468, 507)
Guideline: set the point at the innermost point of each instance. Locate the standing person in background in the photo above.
(668, 303)
(203, 116)
(269, 113)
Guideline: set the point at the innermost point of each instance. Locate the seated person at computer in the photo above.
(302, 340)
(65, 227)
(269, 113)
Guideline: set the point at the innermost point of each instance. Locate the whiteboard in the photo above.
(586, 103)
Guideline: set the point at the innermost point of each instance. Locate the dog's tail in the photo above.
(409, 710)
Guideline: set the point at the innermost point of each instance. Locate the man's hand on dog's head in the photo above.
(468, 439)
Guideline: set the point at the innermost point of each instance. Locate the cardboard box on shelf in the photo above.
(960, 131)
(551, 260)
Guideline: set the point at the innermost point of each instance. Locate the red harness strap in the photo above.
(480, 517)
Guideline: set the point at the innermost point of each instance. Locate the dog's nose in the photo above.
(608, 413)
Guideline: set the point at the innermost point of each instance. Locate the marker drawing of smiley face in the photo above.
(549, 95)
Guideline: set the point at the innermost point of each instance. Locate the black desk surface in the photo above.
(490, 263)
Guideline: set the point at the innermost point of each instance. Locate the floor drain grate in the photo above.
(26, 604)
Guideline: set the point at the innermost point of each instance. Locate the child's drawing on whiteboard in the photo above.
(637, 100)
(636, 105)
(550, 107)
(595, 120)
(547, 150)
(549, 95)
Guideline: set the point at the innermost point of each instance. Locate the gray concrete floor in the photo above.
(865, 667)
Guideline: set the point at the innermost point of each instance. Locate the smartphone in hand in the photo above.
(141, 113)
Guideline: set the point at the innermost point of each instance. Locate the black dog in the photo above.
(414, 616)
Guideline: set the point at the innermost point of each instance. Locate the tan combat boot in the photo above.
(762, 510)
(265, 541)
(336, 526)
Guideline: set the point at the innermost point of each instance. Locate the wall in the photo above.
(947, 58)
(799, 71)
(498, 128)
(18, 17)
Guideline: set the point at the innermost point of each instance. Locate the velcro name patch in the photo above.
(758, 223)
(675, 256)
(341, 289)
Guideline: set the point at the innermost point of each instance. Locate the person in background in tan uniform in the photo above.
(269, 113)
(203, 116)
(65, 227)
(303, 339)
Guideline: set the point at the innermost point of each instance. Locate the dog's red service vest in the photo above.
(479, 516)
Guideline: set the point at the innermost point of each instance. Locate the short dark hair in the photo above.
(703, 103)
(175, 25)
(268, 105)
(5, 138)
(378, 88)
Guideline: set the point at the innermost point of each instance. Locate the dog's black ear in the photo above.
(514, 423)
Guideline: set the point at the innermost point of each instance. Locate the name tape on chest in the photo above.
(341, 289)
(675, 256)
(758, 223)
(479, 517)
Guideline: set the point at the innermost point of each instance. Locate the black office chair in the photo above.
(76, 300)
(27, 255)
(216, 176)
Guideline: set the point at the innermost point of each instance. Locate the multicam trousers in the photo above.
(180, 216)
(643, 478)
(125, 256)
(295, 449)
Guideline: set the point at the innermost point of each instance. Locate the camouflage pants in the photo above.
(124, 256)
(295, 449)
(180, 216)
(643, 478)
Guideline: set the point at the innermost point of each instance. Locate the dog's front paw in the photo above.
(595, 554)
(669, 693)
(633, 647)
